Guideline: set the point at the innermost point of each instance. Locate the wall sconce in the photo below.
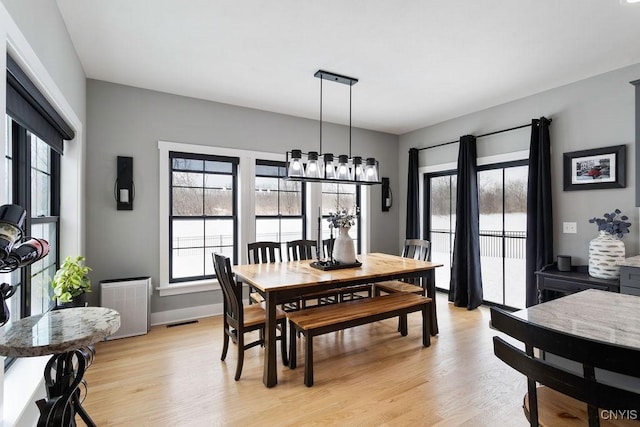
(387, 195)
(124, 190)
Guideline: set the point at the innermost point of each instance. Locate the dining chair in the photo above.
(262, 253)
(568, 396)
(301, 250)
(413, 248)
(238, 320)
(298, 250)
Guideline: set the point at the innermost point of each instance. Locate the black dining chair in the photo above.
(413, 248)
(238, 320)
(566, 395)
(301, 250)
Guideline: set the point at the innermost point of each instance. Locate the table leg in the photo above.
(270, 376)
(63, 375)
(430, 279)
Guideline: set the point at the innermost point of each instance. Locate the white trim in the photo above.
(188, 287)
(185, 314)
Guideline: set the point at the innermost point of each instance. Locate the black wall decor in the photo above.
(387, 196)
(124, 188)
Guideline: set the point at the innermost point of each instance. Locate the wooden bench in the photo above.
(331, 318)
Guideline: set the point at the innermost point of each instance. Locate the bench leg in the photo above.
(293, 356)
(426, 325)
(402, 324)
(308, 361)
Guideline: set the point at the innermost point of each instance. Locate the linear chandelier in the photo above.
(316, 166)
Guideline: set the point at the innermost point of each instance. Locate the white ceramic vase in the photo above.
(343, 249)
(606, 253)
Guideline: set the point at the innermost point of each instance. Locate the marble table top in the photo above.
(57, 331)
(599, 315)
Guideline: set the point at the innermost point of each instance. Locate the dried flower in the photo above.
(612, 224)
(342, 218)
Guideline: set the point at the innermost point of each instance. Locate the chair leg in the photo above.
(293, 356)
(283, 342)
(308, 361)
(225, 343)
(240, 356)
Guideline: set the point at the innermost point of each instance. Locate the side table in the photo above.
(68, 335)
(559, 283)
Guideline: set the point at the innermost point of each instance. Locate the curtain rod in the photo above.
(480, 136)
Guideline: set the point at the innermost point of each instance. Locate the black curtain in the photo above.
(413, 196)
(539, 212)
(466, 281)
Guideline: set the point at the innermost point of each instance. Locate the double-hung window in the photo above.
(338, 197)
(203, 213)
(280, 204)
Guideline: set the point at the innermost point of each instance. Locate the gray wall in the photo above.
(591, 113)
(42, 25)
(129, 121)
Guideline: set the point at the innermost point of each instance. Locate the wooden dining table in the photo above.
(281, 282)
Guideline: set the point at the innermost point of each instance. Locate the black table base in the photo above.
(64, 380)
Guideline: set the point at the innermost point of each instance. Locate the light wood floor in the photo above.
(365, 376)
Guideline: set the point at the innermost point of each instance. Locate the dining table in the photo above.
(285, 281)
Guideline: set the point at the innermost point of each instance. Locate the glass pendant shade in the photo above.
(329, 168)
(371, 170)
(314, 168)
(296, 169)
(343, 171)
(358, 171)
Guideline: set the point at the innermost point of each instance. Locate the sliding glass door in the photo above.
(503, 219)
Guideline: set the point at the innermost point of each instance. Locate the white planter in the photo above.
(606, 253)
(343, 249)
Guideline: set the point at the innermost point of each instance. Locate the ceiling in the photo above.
(419, 62)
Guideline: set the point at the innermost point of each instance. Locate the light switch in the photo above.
(569, 227)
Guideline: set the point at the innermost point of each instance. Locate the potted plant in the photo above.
(607, 251)
(71, 282)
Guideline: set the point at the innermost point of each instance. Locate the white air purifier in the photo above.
(131, 298)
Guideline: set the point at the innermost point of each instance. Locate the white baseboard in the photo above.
(185, 314)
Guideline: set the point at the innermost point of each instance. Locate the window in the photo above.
(33, 182)
(341, 196)
(279, 204)
(502, 197)
(203, 213)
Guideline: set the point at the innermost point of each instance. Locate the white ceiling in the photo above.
(419, 61)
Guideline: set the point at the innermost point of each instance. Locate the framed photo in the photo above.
(595, 169)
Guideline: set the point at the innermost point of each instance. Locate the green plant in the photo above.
(71, 279)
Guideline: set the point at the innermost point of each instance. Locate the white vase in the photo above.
(606, 253)
(343, 248)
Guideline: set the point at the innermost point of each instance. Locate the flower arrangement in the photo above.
(342, 218)
(612, 224)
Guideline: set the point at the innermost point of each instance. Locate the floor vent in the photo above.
(188, 322)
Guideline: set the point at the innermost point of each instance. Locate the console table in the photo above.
(68, 335)
(553, 283)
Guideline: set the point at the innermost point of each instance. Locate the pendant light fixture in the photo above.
(318, 167)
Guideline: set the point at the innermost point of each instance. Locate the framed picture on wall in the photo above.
(598, 168)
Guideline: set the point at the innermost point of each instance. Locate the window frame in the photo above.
(21, 194)
(234, 161)
(358, 194)
(246, 205)
(279, 216)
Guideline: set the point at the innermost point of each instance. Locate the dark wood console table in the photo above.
(553, 283)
